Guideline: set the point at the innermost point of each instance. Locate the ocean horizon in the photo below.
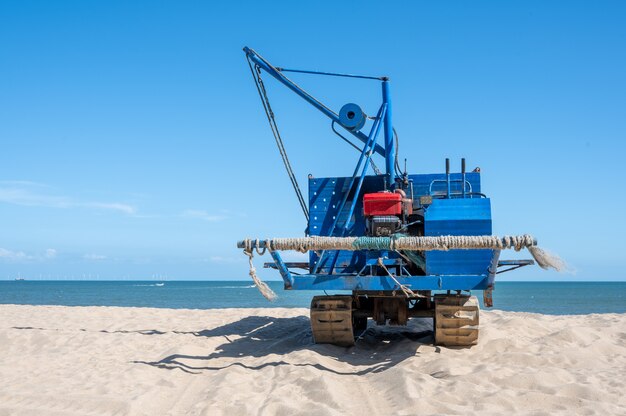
(555, 298)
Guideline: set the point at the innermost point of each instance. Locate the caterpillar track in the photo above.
(331, 320)
(334, 320)
(456, 320)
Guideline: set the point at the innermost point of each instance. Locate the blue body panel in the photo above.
(458, 216)
(447, 270)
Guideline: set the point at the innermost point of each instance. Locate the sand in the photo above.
(58, 360)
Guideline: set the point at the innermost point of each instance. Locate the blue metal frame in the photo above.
(454, 206)
(385, 283)
(284, 271)
(446, 270)
(367, 153)
(332, 74)
(390, 147)
(325, 206)
(388, 152)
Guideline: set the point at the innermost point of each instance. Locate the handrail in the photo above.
(430, 187)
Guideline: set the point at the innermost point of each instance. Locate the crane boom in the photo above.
(388, 151)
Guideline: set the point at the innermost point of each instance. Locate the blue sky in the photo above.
(134, 143)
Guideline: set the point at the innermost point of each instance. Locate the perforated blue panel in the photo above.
(325, 196)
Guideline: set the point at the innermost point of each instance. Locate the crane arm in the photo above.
(274, 72)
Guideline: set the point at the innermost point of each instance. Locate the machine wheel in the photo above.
(456, 320)
(331, 320)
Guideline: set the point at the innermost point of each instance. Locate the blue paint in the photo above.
(454, 269)
(459, 216)
(372, 139)
(282, 268)
(336, 202)
(326, 195)
(352, 117)
(352, 282)
(390, 147)
(267, 67)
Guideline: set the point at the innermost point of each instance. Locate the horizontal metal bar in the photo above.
(439, 194)
(446, 181)
(343, 282)
(515, 263)
(295, 265)
(332, 74)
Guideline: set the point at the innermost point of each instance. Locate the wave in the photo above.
(233, 287)
(152, 285)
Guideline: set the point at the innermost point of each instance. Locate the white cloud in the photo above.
(94, 257)
(203, 215)
(20, 256)
(19, 196)
(12, 255)
(22, 193)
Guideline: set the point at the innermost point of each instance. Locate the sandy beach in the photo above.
(115, 361)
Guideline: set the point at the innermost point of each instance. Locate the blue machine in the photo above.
(388, 286)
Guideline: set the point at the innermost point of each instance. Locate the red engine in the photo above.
(382, 203)
(382, 211)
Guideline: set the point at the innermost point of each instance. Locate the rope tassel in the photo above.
(265, 290)
(547, 260)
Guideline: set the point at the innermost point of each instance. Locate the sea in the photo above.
(556, 298)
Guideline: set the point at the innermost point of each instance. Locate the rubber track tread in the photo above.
(331, 320)
(456, 320)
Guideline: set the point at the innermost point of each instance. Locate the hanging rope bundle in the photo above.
(547, 260)
(405, 289)
(544, 259)
(265, 290)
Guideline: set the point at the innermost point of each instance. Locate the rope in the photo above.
(441, 243)
(372, 243)
(265, 290)
(407, 292)
(544, 259)
(279, 141)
